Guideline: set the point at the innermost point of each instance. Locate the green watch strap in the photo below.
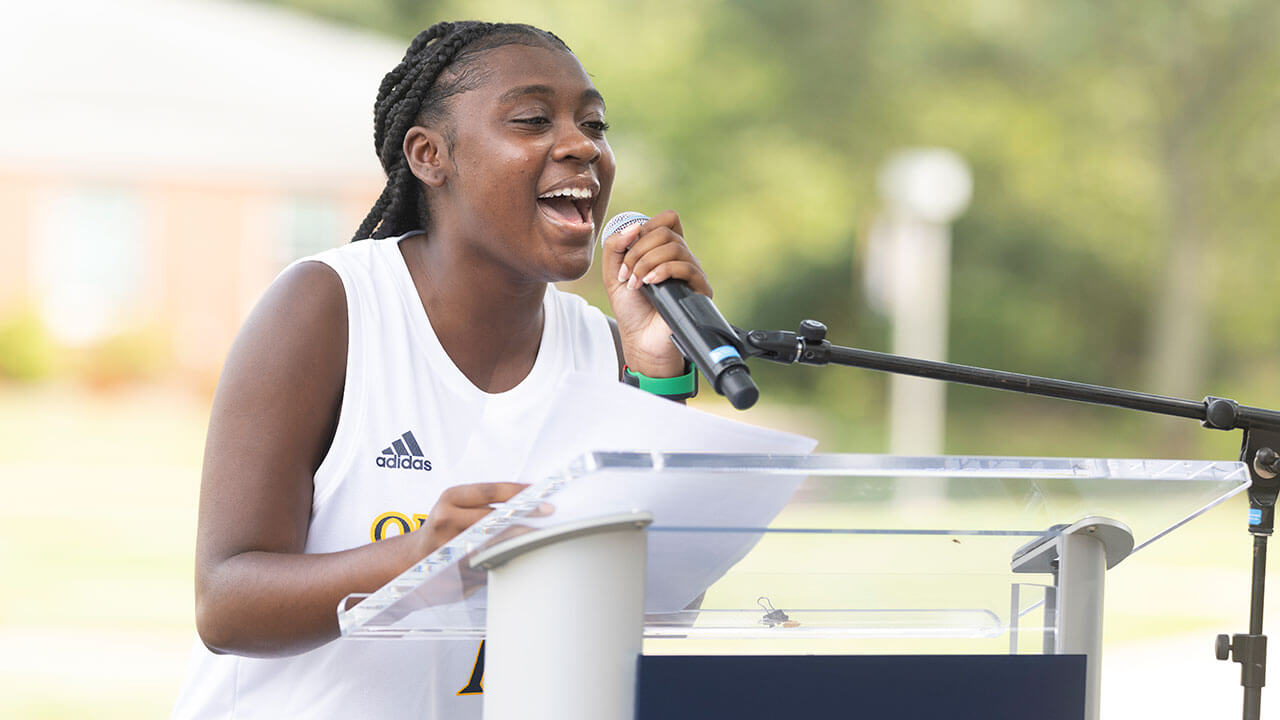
(686, 385)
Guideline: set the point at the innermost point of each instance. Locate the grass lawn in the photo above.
(97, 539)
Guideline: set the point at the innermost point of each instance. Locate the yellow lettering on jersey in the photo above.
(386, 522)
(395, 523)
(475, 686)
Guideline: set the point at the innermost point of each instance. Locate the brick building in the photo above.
(161, 161)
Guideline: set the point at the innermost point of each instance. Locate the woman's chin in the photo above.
(572, 269)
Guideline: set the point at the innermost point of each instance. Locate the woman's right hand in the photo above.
(460, 507)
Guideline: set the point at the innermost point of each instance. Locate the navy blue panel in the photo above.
(901, 687)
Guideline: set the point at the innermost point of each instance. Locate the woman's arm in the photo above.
(272, 421)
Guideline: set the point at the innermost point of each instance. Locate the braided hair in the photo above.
(416, 92)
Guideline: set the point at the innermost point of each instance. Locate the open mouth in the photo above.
(571, 206)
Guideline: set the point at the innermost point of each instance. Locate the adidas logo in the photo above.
(404, 453)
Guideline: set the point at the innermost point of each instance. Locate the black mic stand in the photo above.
(1258, 450)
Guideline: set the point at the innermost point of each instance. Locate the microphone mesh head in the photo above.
(621, 222)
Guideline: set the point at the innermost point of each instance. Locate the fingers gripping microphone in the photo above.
(698, 329)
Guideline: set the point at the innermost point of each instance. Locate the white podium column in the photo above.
(1079, 558)
(565, 619)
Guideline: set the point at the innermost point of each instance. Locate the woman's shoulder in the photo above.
(304, 282)
(302, 313)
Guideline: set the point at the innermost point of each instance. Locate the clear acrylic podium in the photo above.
(716, 554)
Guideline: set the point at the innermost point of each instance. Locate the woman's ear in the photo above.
(428, 155)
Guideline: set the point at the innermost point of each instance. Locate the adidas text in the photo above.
(404, 462)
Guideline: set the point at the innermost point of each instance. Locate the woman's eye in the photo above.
(534, 120)
(597, 126)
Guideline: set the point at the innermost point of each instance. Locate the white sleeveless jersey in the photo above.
(411, 425)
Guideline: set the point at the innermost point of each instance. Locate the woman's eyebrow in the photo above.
(516, 93)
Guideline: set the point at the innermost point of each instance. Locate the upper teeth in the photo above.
(568, 192)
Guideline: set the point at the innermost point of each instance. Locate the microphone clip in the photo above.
(808, 345)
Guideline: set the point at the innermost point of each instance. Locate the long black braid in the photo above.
(415, 93)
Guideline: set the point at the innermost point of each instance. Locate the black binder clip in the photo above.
(773, 617)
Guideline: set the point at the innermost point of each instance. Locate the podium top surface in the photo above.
(779, 521)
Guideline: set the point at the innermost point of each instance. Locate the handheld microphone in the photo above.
(698, 329)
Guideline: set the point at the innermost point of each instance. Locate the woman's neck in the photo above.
(489, 326)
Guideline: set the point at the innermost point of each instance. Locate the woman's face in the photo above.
(530, 171)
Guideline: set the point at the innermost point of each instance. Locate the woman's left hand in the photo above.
(649, 253)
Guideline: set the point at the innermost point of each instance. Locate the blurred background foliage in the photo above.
(1126, 159)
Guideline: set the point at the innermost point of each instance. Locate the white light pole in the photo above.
(908, 278)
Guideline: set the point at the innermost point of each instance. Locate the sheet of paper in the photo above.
(591, 413)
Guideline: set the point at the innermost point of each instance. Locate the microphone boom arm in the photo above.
(810, 347)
